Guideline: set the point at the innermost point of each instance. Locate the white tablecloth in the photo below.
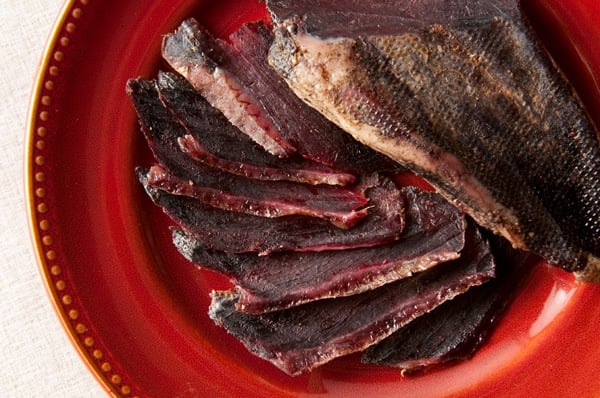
(36, 356)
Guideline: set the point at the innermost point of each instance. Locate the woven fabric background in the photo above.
(36, 355)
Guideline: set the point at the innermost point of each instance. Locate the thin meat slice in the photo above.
(433, 233)
(234, 77)
(456, 329)
(294, 171)
(212, 139)
(301, 338)
(163, 130)
(476, 107)
(338, 207)
(205, 62)
(235, 232)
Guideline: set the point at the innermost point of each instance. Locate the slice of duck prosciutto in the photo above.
(299, 339)
(207, 64)
(236, 232)
(163, 130)
(456, 329)
(339, 206)
(234, 76)
(212, 137)
(462, 94)
(433, 233)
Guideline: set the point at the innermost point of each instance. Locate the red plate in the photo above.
(137, 312)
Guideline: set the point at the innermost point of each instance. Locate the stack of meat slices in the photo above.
(327, 254)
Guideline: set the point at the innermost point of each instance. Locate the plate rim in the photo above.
(108, 376)
(64, 25)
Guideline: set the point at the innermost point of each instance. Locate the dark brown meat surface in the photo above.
(298, 339)
(470, 101)
(255, 184)
(212, 139)
(433, 233)
(237, 232)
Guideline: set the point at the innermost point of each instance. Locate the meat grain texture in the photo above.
(434, 234)
(299, 339)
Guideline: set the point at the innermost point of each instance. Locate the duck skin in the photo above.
(462, 93)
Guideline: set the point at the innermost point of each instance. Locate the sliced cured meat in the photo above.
(206, 63)
(162, 131)
(236, 232)
(456, 329)
(212, 137)
(234, 76)
(291, 172)
(433, 233)
(301, 338)
(337, 206)
(473, 105)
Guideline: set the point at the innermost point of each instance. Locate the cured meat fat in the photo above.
(234, 76)
(211, 137)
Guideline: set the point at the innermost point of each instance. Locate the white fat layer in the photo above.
(324, 67)
(591, 273)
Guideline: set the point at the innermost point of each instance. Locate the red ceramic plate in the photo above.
(136, 311)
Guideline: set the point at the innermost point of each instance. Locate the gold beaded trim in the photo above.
(39, 129)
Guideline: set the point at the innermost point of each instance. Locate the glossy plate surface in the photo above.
(137, 312)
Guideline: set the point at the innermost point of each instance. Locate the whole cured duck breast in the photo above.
(462, 93)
